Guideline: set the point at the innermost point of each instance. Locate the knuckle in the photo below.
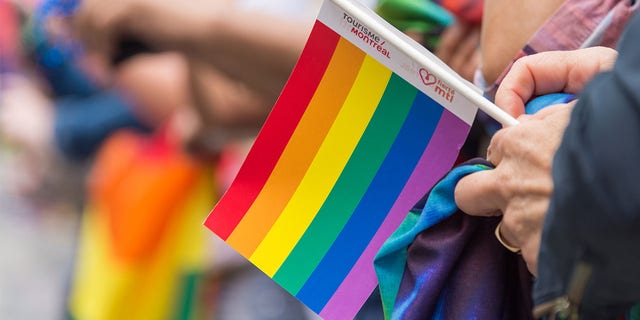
(521, 63)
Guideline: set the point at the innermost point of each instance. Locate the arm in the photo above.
(506, 29)
(227, 110)
(458, 48)
(257, 49)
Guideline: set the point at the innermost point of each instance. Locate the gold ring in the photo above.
(502, 242)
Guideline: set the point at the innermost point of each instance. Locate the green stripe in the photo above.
(351, 185)
(634, 314)
(186, 301)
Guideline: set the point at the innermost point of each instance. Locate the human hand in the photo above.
(521, 184)
(156, 85)
(551, 72)
(226, 109)
(459, 48)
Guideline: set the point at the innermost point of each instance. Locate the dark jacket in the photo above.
(593, 222)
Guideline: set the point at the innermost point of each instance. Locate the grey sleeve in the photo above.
(594, 213)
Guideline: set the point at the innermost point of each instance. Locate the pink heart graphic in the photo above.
(427, 78)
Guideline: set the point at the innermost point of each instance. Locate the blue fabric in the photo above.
(429, 268)
(56, 60)
(85, 113)
(541, 102)
(440, 204)
(82, 123)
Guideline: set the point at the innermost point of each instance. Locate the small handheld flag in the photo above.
(367, 123)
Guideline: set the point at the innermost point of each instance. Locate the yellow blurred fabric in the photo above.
(142, 249)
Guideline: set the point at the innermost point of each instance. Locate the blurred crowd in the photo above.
(122, 122)
(112, 158)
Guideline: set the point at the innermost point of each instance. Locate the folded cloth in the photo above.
(456, 270)
(443, 264)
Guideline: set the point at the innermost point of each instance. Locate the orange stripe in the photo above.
(301, 149)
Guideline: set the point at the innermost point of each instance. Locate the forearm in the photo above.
(506, 28)
(256, 49)
(223, 102)
(249, 46)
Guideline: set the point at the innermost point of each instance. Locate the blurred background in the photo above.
(110, 160)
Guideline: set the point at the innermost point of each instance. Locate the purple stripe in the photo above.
(436, 160)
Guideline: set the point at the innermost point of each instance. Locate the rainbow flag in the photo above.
(360, 132)
(141, 252)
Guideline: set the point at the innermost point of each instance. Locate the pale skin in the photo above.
(520, 186)
(232, 68)
(238, 60)
(506, 28)
(246, 46)
(459, 48)
(204, 107)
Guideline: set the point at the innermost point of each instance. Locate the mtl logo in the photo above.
(439, 87)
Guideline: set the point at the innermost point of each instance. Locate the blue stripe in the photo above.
(385, 188)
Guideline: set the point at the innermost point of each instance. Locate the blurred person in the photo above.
(198, 46)
(217, 32)
(139, 253)
(104, 27)
(209, 106)
(459, 45)
(56, 108)
(449, 28)
(511, 32)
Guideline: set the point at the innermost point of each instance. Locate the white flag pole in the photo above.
(358, 11)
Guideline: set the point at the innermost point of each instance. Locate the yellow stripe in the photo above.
(325, 168)
(105, 288)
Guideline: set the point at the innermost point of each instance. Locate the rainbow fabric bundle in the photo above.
(359, 134)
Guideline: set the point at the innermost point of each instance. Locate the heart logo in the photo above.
(427, 78)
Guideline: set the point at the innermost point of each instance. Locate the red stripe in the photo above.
(275, 135)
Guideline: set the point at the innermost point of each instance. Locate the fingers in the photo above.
(469, 69)
(449, 42)
(99, 24)
(465, 51)
(458, 48)
(92, 26)
(478, 194)
(494, 153)
(550, 72)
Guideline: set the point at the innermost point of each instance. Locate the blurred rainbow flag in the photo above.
(360, 132)
(142, 253)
